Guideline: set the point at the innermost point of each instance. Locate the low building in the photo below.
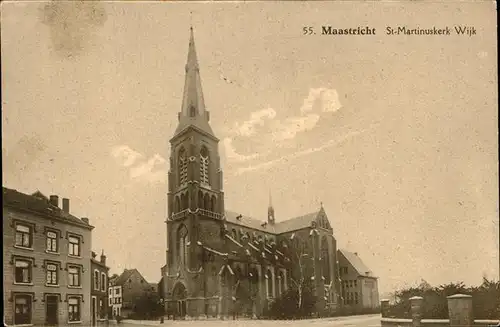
(359, 285)
(99, 292)
(46, 260)
(128, 288)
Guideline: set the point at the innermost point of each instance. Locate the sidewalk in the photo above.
(141, 322)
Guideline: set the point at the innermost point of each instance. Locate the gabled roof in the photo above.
(296, 223)
(281, 227)
(357, 263)
(126, 274)
(246, 221)
(38, 203)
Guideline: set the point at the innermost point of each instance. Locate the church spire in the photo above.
(193, 111)
(270, 210)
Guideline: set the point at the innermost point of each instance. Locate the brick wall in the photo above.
(38, 289)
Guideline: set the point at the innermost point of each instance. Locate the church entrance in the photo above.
(179, 295)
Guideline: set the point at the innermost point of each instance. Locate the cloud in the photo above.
(326, 99)
(328, 144)
(145, 170)
(140, 169)
(319, 100)
(257, 118)
(125, 152)
(232, 155)
(265, 123)
(290, 127)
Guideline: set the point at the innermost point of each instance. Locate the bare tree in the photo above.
(300, 283)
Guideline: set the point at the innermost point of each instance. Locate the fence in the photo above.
(460, 314)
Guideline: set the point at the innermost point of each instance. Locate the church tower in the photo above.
(270, 211)
(195, 192)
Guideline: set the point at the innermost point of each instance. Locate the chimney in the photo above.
(356, 253)
(103, 258)
(85, 220)
(65, 205)
(54, 200)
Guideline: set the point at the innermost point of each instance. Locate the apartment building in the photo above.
(46, 259)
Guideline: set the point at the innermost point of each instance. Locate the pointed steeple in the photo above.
(193, 111)
(270, 210)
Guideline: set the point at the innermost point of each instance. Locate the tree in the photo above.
(148, 306)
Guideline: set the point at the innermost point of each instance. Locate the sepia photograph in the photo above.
(250, 163)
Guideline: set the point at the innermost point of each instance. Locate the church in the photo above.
(221, 263)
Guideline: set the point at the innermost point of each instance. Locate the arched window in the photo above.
(325, 260)
(182, 235)
(269, 281)
(182, 162)
(192, 111)
(184, 201)
(213, 206)
(206, 201)
(234, 234)
(282, 282)
(177, 206)
(253, 276)
(200, 200)
(204, 166)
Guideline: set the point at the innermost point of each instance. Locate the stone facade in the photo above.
(46, 260)
(221, 263)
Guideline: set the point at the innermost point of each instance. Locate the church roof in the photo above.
(38, 203)
(357, 263)
(296, 223)
(281, 227)
(193, 111)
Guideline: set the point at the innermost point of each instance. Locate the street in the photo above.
(352, 321)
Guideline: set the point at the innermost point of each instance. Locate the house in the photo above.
(220, 262)
(114, 298)
(359, 285)
(46, 260)
(127, 289)
(99, 291)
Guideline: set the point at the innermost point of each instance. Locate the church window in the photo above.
(213, 206)
(182, 235)
(269, 281)
(183, 163)
(192, 111)
(325, 260)
(200, 200)
(282, 282)
(204, 162)
(206, 201)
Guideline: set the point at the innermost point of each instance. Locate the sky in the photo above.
(395, 135)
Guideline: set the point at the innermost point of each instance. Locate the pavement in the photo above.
(351, 321)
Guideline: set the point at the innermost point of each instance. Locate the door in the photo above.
(51, 304)
(94, 310)
(182, 308)
(22, 309)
